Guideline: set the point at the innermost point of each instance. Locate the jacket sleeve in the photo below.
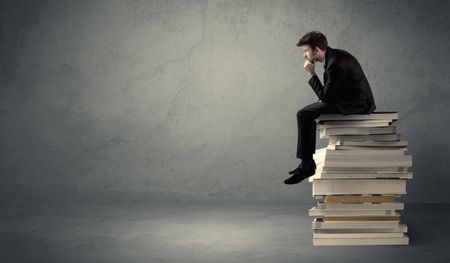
(333, 82)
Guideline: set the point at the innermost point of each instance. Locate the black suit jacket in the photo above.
(346, 85)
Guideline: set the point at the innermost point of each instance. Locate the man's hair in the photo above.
(314, 39)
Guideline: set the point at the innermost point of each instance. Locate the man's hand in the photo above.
(309, 67)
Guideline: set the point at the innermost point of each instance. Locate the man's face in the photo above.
(309, 54)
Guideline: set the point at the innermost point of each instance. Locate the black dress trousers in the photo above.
(306, 142)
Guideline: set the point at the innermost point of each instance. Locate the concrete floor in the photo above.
(200, 233)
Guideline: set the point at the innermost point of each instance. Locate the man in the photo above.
(345, 91)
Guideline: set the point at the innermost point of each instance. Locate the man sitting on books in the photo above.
(346, 91)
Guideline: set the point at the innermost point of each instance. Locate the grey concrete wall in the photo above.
(196, 100)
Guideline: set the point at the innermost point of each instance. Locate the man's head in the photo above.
(314, 45)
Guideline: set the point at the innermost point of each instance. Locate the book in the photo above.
(357, 152)
(350, 199)
(363, 148)
(373, 143)
(360, 206)
(383, 169)
(366, 157)
(358, 186)
(319, 223)
(342, 124)
(326, 132)
(357, 235)
(387, 115)
(360, 175)
(367, 163)
(400, 228)
(394, 162)
(362, 218)
(347, 212)
(361, 241)
(333, 139)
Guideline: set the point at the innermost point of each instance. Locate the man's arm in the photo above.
(334, 79)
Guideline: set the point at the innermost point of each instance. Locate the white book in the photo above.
(323, 197)
(357, 212)
(358, 235)
(361, 206)
(358, 186)
(388, 115)
(373, 143)
(333, 139)
(359, 175)
(373, 152)
(341, 124)
(325, 164)
(402, 228)
(363, 148)
(352, 170)
(379, 162)
(361, 241)
(325, 133)
(318, 223)
(330, 150)
(368, 158)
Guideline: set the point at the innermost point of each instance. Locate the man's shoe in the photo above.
(306, 169)
(306, 164)
(299, 176)
(293, 171)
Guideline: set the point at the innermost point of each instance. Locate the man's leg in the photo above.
(306, 144)
(306, 141)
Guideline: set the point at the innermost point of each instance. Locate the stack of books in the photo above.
(359, 178)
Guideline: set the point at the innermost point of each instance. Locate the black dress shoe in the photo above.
(304, 165)
(306, 169)
(299, 176)
(293, 171)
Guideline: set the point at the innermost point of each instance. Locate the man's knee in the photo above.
(303, 113)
